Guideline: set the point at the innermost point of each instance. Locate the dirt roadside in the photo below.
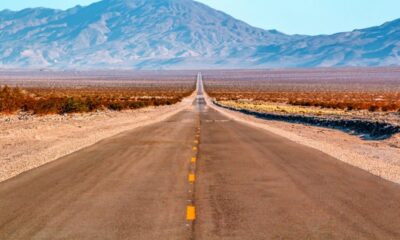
(381, 158)
(27, 142)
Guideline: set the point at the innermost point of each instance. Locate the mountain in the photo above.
(176, 34)
(375, 46)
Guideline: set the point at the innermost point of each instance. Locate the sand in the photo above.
(381, 158)
(28, 141)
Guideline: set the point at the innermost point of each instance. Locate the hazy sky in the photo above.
(289, 16)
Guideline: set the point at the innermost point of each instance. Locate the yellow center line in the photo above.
(190, 213)
(192, 178)
(191, 210)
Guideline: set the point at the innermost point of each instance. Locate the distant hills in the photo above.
(176, 34)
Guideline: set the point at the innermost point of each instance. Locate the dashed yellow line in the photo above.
(191, 209)
(192, 178)
(190, 213)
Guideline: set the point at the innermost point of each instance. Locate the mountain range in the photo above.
(176, 34)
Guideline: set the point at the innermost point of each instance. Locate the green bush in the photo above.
(115, 106)
(93, 104)
(72, 105)
(136, 105)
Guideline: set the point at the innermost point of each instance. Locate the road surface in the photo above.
(198, 175)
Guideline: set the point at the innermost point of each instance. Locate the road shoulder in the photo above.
(381, 158)
(26, 144)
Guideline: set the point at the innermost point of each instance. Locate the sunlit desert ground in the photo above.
(48, 115)
(352, 114)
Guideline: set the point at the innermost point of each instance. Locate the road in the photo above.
(198, 175)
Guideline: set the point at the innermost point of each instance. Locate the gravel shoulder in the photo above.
(27, 142)
(381, 158)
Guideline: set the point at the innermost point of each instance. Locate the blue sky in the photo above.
(289, 16)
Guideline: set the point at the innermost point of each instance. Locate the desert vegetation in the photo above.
(46, 101)
(369, 100)
(60, 96)
(324, 97)
(375, 90)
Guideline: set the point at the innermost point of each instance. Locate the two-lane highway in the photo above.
(246, 184)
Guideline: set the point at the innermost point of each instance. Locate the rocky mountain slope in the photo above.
(375, 46)
(176, 34)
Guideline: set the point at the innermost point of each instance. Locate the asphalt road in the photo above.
(198, 175)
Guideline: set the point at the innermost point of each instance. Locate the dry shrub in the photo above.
(61, 101)
(11, 99)
(371, 101)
